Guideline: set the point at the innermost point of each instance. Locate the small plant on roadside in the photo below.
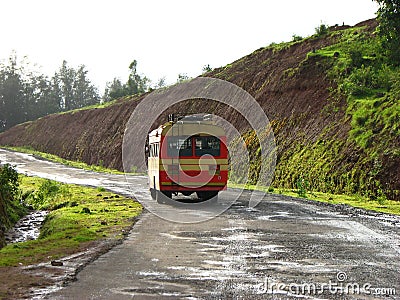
(101, 163)
(381, 198)
(133, 169)
(302, 186)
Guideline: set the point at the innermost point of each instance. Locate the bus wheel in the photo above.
(163, 197)
(204, 196)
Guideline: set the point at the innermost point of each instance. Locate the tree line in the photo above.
(26, 94)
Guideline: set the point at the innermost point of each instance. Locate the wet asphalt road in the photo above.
(283, 248)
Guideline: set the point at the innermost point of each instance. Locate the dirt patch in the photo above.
(17, 284)
(25, 282)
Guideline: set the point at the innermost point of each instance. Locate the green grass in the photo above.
(55, 158)
(77, 217)
(382, 205)
(365, 76)
(101, 105)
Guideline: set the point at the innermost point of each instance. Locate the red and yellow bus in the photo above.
(188, 155)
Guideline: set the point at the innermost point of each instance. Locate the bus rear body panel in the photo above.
(190, 158)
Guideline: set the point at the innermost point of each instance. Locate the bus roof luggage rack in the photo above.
(191, 118)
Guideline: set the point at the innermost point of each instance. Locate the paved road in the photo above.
(283, 248)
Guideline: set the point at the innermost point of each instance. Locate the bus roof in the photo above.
(187, 128)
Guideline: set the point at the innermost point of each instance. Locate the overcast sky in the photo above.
(166, 37)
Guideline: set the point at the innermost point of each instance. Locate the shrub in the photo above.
(9, 184)
(302, 186)
(11, 208)
(296, 38)
(321, 30)
(356, 57)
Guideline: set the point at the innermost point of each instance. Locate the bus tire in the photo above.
(204, 196)
(160, 197)
(163, 197)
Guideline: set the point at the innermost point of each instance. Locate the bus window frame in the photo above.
(171, 152)
(198, 152)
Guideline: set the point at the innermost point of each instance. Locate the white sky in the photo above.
(165, 37)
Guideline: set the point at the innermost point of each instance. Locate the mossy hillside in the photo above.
(333, 166)
(78, 216)
(355, 163)
(363, 74)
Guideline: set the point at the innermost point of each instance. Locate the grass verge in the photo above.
(55, 158)
(78, 216)
(383, 206)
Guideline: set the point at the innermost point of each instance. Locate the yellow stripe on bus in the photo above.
(192, 168)
(194, 161)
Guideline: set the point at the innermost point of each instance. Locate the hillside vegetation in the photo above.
(333, 101)
(357, 150)
(11, 208)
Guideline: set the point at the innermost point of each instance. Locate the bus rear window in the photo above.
(179, 146)
(207, 145)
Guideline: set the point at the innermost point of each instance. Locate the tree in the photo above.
(13, 108)
(65, 78)
(85, 92)
(389, 28)
(73, 87)
(40, 99)
(136, 84)
(321, 30)
(114, 90)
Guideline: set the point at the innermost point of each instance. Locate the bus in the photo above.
(187, 155)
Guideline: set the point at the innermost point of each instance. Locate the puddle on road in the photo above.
(152, 274)
(151, 292)
(175, 236)
(237, 237)
(387, 220)
(156, 289)
(277, 216)
(347, 230)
